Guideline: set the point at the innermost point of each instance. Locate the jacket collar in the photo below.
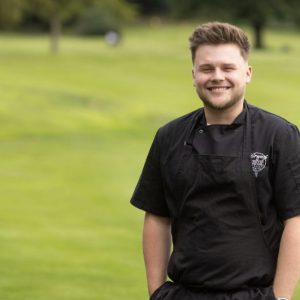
(239, 120)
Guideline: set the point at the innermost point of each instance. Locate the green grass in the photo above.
(75, 129)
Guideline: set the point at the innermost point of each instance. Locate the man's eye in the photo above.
(207, 70)
(228, 69)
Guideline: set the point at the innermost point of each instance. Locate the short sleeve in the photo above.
(149, 192)
(287, 172)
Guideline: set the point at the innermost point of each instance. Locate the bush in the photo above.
(95, 21)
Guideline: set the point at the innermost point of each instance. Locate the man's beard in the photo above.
(228, 104)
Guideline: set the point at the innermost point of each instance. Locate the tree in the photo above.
(258, 14)
(254, 12)
(56, 12)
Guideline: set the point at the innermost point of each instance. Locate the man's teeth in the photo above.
(217, 89)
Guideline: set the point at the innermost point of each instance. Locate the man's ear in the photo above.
(193, 75)
(248, 74)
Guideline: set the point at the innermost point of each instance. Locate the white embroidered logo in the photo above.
(258, 161)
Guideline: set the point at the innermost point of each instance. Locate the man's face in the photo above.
(220, 75)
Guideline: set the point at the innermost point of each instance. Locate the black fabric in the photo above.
(149, 191)
(175, 291)
(227, 189)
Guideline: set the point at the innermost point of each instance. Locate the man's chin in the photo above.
(220, 105)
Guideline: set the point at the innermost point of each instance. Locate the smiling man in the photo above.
(222, 184)
(220, 75)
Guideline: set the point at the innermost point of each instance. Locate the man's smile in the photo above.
(218, 88)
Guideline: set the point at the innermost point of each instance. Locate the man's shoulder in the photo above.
(263, 117)
(180, 123)
(176, 131)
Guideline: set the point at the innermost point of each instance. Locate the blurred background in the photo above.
(84, 85)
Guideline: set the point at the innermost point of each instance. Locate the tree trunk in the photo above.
(258, 40)
(55, 29)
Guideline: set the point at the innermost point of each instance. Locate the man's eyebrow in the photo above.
(229, 65)
(205, 66)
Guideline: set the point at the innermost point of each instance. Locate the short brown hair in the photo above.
(216, 33)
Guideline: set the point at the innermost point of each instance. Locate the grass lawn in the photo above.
(75, 130)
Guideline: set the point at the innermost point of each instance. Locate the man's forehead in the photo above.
(202, 60)
(227, 52)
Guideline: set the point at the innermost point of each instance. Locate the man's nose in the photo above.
(218, 75)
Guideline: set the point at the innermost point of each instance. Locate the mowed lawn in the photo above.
(75, 130)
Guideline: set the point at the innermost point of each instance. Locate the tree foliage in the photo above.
(11, 12)
(256, 13)
(151, 7)
(57, 12)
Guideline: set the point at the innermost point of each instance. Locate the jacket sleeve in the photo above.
(149, 192)
(287, 172)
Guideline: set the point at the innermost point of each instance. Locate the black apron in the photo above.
(176, 291)
(219, 246)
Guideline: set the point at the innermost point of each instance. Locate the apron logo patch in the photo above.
(258, 161)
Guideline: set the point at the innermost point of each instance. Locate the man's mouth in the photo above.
(218, 88)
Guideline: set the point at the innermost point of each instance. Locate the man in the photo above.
(224, 183)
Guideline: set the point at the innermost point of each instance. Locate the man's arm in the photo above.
(156, 246)
(288, 264)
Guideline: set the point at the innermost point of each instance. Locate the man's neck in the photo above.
(225, 117)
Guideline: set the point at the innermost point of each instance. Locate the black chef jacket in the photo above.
(227, 190)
